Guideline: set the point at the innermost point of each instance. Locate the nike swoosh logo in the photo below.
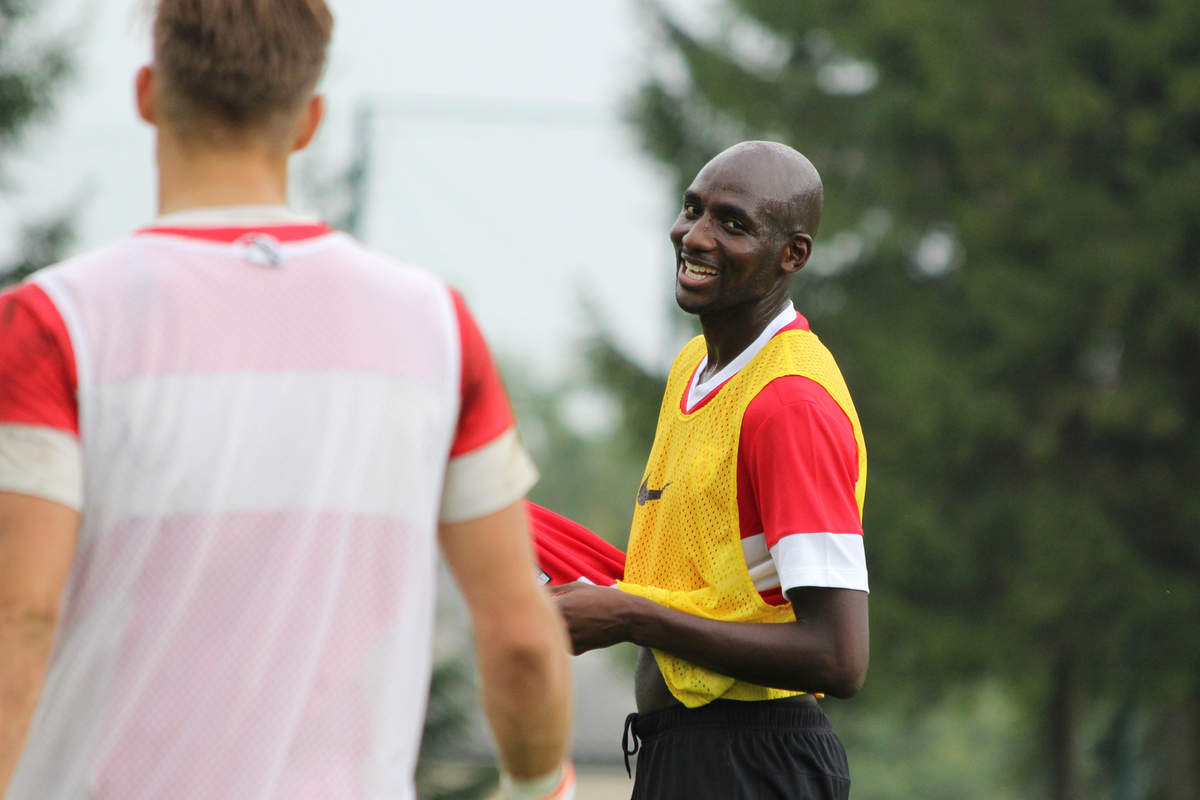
(646, 494)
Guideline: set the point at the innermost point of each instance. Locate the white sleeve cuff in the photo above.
(831, 560)
(558, 785)
(43, 462)
(487, 479)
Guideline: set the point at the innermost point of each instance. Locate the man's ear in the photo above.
(144, 89)
(796, 253)
(310, 120)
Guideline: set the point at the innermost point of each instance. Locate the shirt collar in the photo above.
(698, 391)
(233, 216)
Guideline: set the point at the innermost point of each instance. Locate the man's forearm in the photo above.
(25, 644)
(520, 644)
(526, 691)
(785, 655)
(825, 650)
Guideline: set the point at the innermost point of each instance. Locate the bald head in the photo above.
(786, 182)
(745, 228)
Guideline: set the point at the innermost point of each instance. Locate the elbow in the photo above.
(522, 659)
(520, 674)
(846, 683)
(847, 674)
(840, 671)
(828, 675)
(527, 662)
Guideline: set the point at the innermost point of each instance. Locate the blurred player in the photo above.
(745, 580)
(228, 444)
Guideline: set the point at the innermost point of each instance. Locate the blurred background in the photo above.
(1007, 272)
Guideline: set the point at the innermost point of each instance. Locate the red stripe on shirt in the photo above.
(283, 233)
(485, 412)
(37, 363)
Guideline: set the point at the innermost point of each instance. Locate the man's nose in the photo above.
(699, 235)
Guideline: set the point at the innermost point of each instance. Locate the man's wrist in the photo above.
(637, 619)
(558, 785)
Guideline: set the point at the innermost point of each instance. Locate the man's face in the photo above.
(728, 250)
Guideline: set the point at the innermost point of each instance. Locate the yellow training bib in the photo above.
(685, 548)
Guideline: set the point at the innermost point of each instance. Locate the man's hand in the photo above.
(596, 616)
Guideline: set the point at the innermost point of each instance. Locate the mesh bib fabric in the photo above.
(685, 546)
(250, 609)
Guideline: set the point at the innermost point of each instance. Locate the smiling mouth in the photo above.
(698, 271)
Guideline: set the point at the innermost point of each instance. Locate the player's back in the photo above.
(265, 419)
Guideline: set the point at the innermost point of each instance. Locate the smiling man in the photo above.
(745, 581)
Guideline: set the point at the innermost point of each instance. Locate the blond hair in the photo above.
(235, 68)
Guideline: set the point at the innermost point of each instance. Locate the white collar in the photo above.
(698, 391)
(232, 216)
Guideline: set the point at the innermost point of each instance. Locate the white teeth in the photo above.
(698, 270)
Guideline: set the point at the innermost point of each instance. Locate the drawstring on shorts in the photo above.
(625, 736)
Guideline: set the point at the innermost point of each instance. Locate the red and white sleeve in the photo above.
(798, 461)
(489, 467)
(40, 453)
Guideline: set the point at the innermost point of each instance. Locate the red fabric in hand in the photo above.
(567, 551)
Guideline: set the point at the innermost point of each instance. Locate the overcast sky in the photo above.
(498, 158)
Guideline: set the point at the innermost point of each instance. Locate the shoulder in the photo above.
(388, 269)
(689, 354)
(792, 396)
(31, 327)
(684, 365)
(112, 255)
(24, 301)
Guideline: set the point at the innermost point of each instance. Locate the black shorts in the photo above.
(733, 750)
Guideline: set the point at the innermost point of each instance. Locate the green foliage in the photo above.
(590, 476)
(613, 371)
(1007, 272)
(29, 76)
(956, 749)
(42, 243)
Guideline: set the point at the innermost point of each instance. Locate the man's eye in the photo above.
(734, 225)
(691, 209)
